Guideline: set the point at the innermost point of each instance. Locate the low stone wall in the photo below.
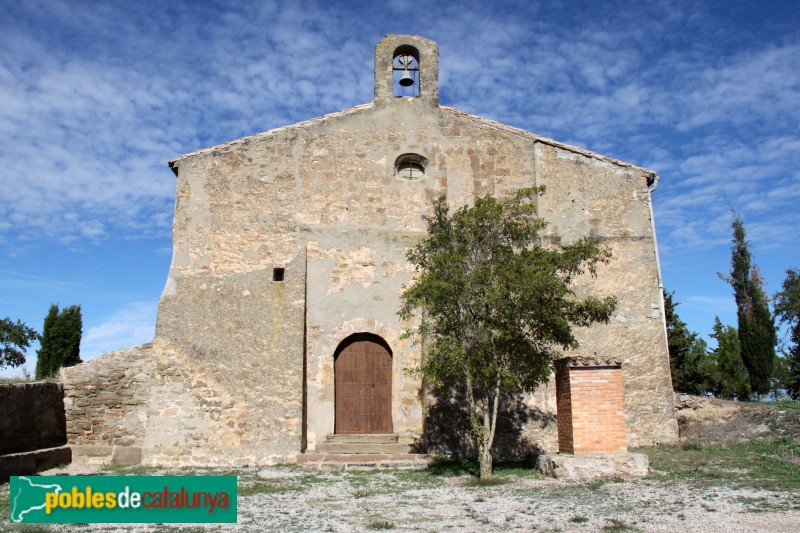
(106, 403)
(155, 405)
(32, 428)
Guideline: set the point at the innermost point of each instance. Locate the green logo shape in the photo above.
(122, 499)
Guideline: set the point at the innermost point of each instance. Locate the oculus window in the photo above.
(410, 166)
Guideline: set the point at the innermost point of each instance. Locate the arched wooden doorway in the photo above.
(363, 381)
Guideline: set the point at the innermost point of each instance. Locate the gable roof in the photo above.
(482, 121)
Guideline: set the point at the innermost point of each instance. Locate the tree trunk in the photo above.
(485, 460)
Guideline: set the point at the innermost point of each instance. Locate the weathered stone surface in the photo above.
(241, 370)
(84, 452)
(361, 461)
(588, 467)
(126, 455)
(181, 416)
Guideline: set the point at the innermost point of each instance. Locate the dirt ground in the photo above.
(289, 499)
(707, 488)
(712, 421)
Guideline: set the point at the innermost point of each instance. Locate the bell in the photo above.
(406, 80)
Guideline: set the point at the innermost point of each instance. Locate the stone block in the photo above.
(27, 463)
(91, 451)
(588, 467)
(127, 455)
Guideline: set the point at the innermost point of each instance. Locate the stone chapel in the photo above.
(277, 331)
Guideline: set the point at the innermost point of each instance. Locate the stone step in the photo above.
(352, 438)
(362, 461)
(361, 448)
(33, 462)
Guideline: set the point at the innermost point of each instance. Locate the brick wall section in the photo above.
(591, 409)
(564, 410)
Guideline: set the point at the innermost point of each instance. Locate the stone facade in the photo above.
(290, 241)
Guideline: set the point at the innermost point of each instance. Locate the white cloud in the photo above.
(96, 98)
(89, 125)
(129, 326)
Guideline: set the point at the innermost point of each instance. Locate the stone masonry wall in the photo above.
(106, 403)
(153, 405)
(322, 200)
(241, 370)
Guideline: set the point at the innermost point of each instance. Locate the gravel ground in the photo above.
(289, 499)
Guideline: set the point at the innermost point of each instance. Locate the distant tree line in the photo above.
(745, 363)
(59, 343)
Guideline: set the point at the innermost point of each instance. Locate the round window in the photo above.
(410, 170)
(410, 166)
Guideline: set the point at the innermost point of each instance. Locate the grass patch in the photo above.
(270, 486)
(594, 485)
(137, 470)
(380, 524)
(754, 463)
(518, 469)
(617, 526)
(491, 482)
(162, 528)
(456, 467)
(5, 503)
(578, 519)
(452, 467)
(24, 528)
(783, 404)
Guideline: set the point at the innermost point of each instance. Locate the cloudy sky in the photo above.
(95, 97)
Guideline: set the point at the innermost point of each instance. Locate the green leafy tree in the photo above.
(15, 337)
(729, 374)
(687, 352)
(494, 308)
(787, 309)
(61, 341)
(757, 335)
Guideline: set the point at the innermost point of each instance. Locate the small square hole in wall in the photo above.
(277, 274)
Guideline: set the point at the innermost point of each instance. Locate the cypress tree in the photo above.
(757, 336)
(61, 340)
(787, 308)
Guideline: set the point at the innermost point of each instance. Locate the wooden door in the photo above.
(363, 381)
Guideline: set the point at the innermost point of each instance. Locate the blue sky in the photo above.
(96, 97)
